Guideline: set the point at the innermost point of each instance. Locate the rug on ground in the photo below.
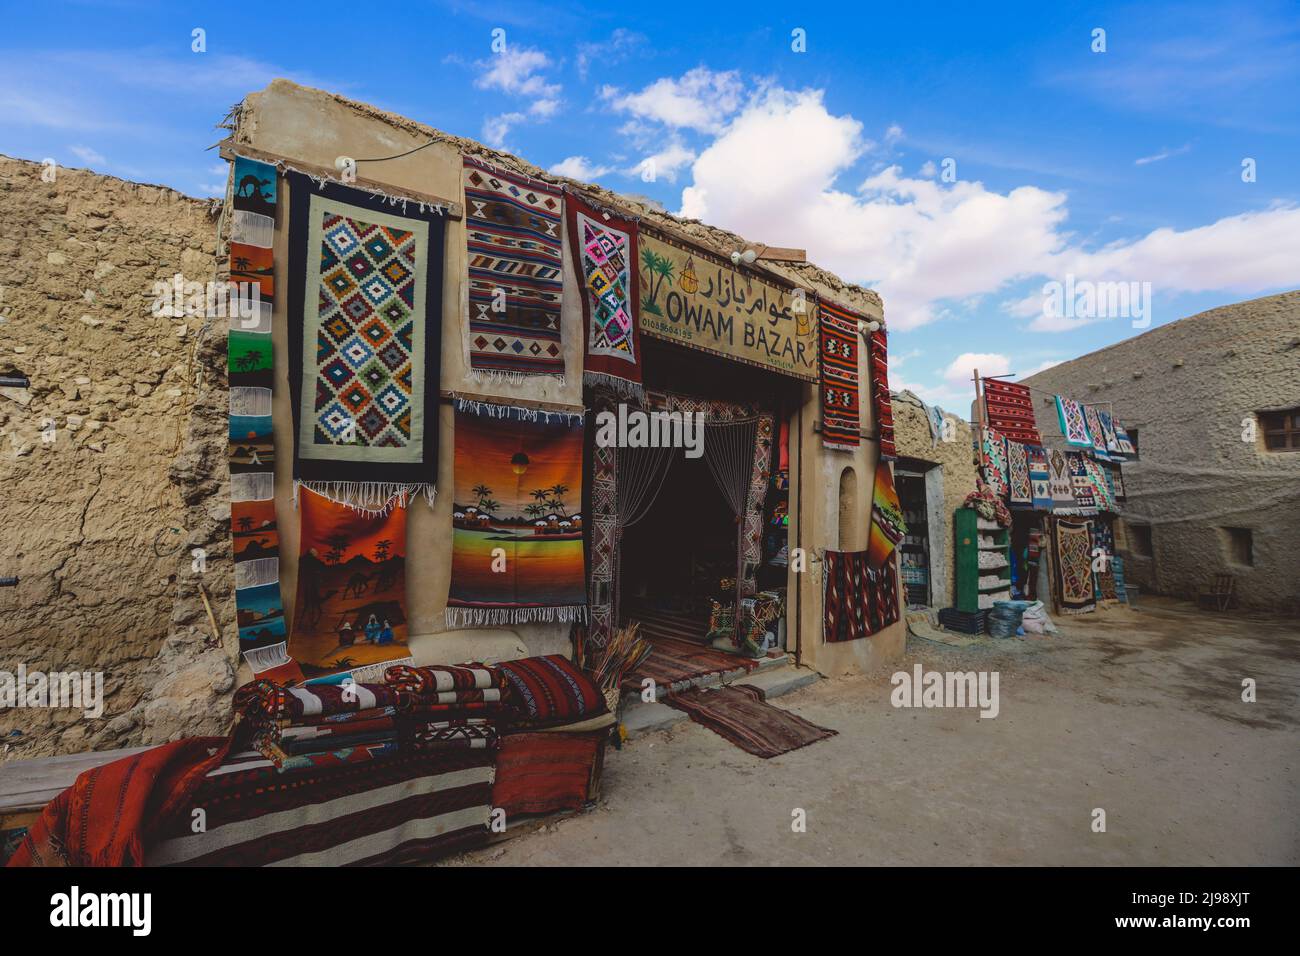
(741, 714)
(604, 248)
(365, 342)
(517, 539)
(839, 376)
(675, 664)
(513, 230)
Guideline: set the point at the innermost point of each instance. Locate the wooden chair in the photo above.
(1221, 595)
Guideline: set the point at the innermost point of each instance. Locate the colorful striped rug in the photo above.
(741, 714)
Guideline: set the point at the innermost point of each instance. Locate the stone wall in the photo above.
(956, 460)
(1191, 388)
(100, 520)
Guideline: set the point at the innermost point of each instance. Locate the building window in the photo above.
(1239, 543)
(1133, 438)
(1281, 429)
(1139, 539)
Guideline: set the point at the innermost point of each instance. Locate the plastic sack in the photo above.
(1035, 620)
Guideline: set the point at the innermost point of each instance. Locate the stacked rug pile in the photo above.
(449, 708)
(318, 725)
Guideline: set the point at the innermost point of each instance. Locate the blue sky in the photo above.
(1115, 166)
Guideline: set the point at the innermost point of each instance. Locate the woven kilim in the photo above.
(887, 523)
(839, 376)
(1122, 439)
(365, 327)
(1096, 432)
(1103, 552)
(741, 714)
(402, 808)
(251, 449)
(518, 490)
(1102, 492)
(1040, 477)
(604, 249)
(857, 600)
(1021, 490)
(993, 463)
(1059, 481)
(881, 404)
(1085, 492)
(1072, 565)
(1074, 426)
(1011, 410)
(513, 227)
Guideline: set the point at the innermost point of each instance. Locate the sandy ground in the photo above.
(1136, 712)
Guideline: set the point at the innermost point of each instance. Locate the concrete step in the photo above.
(776, 676)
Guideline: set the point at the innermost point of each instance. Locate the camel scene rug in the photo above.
(351, 606)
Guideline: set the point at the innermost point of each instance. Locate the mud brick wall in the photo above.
(99, 522)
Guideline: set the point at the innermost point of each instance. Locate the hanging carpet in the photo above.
(604, 249)
(881, 402)
(517, 542)
(513, 228)
(839, 376)
(1020, 488)
(1074, 426)
(887, 524)
(1040, 477)
(1072, 565)
(1010, 410)
(993, 463)
(351, 606)
(365, 343)
(857, 600)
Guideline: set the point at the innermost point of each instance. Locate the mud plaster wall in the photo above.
(316, 127)
(98, 523)
(1187, 387)
(957, 461)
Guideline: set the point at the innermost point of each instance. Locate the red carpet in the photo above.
(674, 664)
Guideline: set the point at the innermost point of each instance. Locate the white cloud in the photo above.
(700, 99)
(1163, 154)
(517, 70)
(89, 156)
(615, 49)
(496, 128)
(1246, 254)
(579, 167)
(1040, 367)
(960, 371)
(772, 175)
(664, 164)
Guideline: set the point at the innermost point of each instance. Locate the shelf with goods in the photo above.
(983, 559)
(914, 549)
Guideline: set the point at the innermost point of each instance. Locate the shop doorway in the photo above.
(676, 559)
(917, 561)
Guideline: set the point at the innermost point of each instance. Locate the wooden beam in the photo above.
(778, 254)
(230, 150)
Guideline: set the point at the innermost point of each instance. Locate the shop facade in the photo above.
(798, 498)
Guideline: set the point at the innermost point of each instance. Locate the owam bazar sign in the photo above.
(702, 301)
